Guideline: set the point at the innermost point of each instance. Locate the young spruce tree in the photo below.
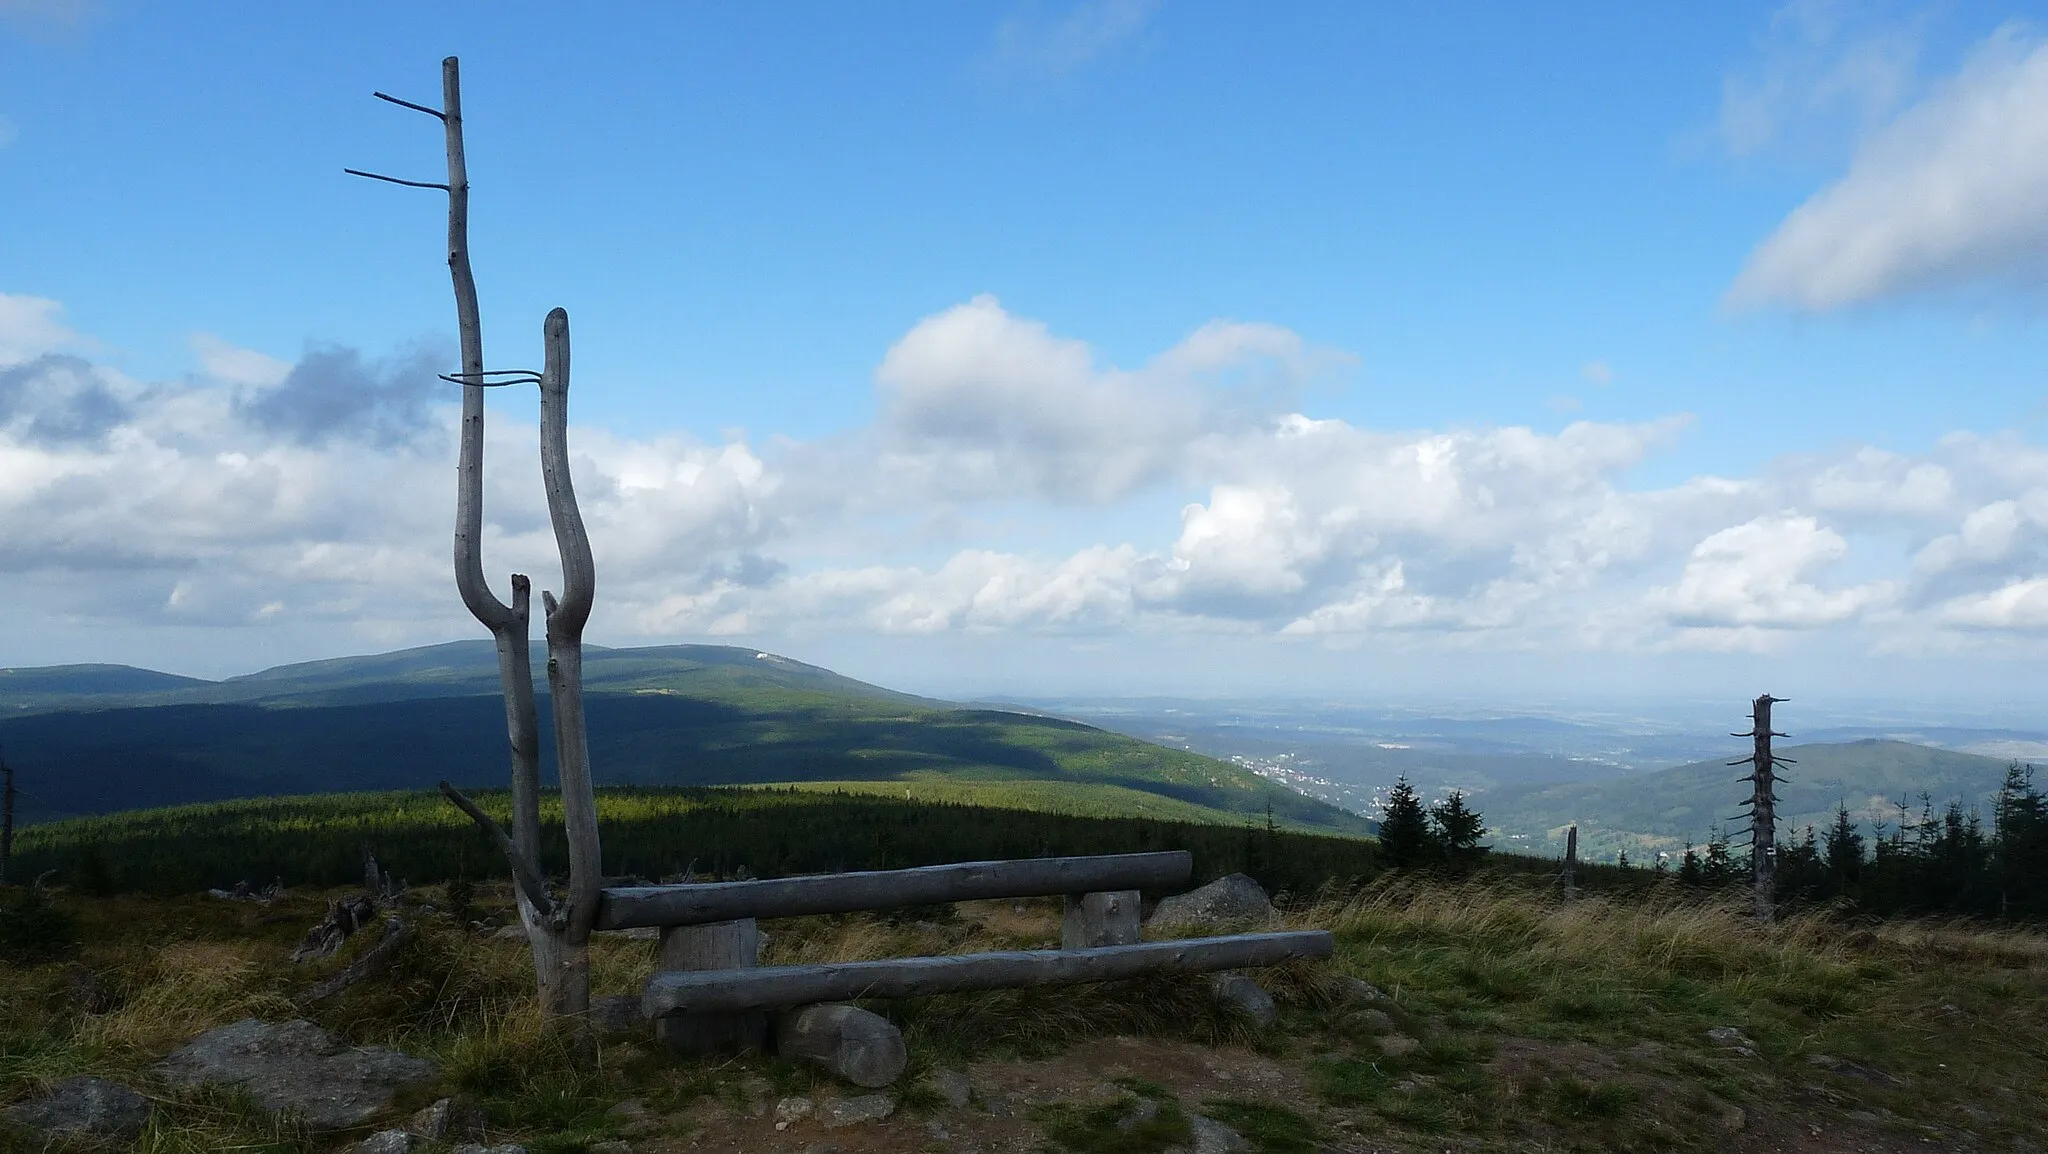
(1404, 827)
(1458, 829)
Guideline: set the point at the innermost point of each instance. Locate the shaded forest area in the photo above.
(648, 833)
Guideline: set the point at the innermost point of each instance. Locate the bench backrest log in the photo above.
(710, 902)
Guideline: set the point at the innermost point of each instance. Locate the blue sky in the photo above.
(1048, 347)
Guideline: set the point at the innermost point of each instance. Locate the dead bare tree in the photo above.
(6, 818)
(1571, 862)
(1763, 802)
(557, 930)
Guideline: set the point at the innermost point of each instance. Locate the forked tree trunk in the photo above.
(565, 620)
(509, 624)
(558, 932)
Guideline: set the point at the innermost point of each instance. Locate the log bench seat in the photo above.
(709, 991)
(775, 987)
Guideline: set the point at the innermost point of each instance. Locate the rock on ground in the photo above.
(298, 1067)
(790, 1111)
(1352, 991)
(1244, 996)
(858, 1045)
(1213, 1137)
(475, 1148)
(84, 1105)
(1234, 902)
(837, 1112)
(386, 1142)
(1733, 1039)
(446, 1119)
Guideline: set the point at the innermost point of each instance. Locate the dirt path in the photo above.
(1011, 1100)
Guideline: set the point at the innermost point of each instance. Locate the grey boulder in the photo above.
(1213, 1137)
(298, 1068)
(84, 1106)
(1243, 996)
(1234, 902)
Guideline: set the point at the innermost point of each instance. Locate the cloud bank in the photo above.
(257, 496)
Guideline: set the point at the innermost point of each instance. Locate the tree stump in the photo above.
(863, 1048)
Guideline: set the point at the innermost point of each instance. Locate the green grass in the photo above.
(1147, 1121)
(1268, 1127)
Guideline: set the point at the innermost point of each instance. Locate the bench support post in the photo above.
(1106, 918)
(719, 946)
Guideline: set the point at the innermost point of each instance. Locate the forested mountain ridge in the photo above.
(1667, 809)
(453, 669)
(85, 743)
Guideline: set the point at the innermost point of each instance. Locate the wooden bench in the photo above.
(709, 992)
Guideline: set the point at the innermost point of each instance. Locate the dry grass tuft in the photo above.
(186, 988)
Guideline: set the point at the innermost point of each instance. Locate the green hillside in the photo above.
(1669, 808)
(668, 716)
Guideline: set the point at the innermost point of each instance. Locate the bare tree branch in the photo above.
(396, 934)
(395, 180)
(436, 113)
(530, 884)
(516, 377)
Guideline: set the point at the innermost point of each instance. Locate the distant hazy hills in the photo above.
(97, 738)
(457, 669)
(1668, 808)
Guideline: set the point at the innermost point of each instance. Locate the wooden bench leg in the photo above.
(1107, 918)
(718, 946)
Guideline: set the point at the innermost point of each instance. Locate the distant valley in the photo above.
(1647, 781)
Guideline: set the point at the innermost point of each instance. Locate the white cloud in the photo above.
(237, 366)
(1757, 575)
(1947, 194)
(1089, 30)
(2020, 605)
(1820, 62)
(1246, 540)
(29, 328)
(979, 403)
(1871, 480)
